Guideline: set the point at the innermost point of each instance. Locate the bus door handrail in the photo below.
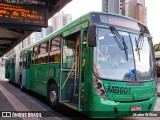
(68, 74)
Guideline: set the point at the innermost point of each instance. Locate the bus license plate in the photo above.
(135, 108)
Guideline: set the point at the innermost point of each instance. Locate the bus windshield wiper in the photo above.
(137, 48)
(120, 40)
(140, 41)
(139, 44)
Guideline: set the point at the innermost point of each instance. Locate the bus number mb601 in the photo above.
(121, 90)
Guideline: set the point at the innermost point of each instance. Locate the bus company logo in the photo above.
(21, 1)
(21, 114)
(6, 114)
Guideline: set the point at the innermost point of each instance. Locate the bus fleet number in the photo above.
(121, 90)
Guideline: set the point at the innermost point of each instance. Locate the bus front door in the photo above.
(71, 76)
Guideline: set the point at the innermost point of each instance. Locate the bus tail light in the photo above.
(99, 88)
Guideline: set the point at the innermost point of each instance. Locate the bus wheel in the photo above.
(53, 96)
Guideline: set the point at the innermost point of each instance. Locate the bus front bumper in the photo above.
(102, 108)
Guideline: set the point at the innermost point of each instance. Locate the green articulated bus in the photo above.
(101, 64)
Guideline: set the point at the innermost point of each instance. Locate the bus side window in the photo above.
(34, 55)
(43, 53)
(20, 61)
(12, 63)
(54, 50)
(29, 58)
(24, 60)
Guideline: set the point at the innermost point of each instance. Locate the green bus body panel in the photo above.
(28, 72)
(12, 77)
(10, 72)
(40, 74)
(7, 69)
(76, 28)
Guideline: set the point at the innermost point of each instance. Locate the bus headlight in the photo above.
(99, 88)
(97, 85)
(100, 92)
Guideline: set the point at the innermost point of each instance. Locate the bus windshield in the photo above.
(112, 62)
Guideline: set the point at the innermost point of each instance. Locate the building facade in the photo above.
(132, 8)
(137, 10)
(60, 20)
(114, 6)
(35, 36)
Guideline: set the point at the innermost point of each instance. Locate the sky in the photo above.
(77, 8)
(153, 19)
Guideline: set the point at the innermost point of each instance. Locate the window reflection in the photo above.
(144, 60)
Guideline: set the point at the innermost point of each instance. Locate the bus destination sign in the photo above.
(33, 15)
(115, 20)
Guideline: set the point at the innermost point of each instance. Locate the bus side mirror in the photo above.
(92, 35)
